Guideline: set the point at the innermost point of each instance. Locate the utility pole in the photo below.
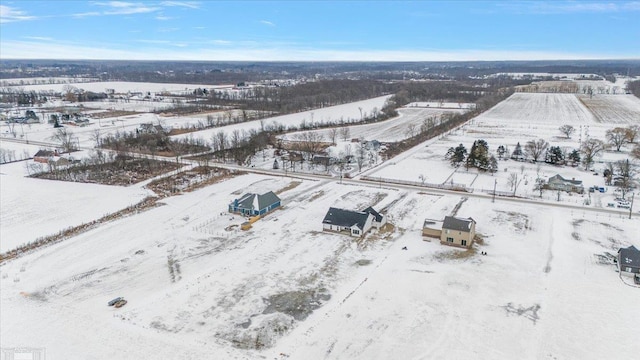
(494, 190)
(631, 207)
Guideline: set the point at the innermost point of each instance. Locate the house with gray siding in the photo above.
(629, 260)
(355, 223)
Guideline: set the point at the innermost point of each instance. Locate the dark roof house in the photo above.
(457, 224)
(255, 204)
(356, 222)
(629, 260)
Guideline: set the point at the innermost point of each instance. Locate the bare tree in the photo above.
(345, 133)
(333, 135)
(636, 152)
(411, 130)
(631, 133)
(514, 181)
(627, 172)
(311, 142)
(590, 149)
(65, 138)
(536, 148)
(567, 130)
(617, 137)
(96, 137)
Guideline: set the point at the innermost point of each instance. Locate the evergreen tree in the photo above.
(517, 153)
(554, 156)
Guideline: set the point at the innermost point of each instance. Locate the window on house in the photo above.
(464, 242)
(356, 232)
(450, 239)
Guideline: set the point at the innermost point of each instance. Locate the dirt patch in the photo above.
(455, 254)
(122, 171)
(297, 304)
(530, 312)
(187, 181)
(363, 262)
(292, 185)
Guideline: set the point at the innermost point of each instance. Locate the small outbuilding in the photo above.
(432, 228)
(254, 204)
(629, 260)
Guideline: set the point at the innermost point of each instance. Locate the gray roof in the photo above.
(44, 153)
(629, 257)
(345, 218)
(377, 217)
(457, 224)
(558, 177)
(257, 202)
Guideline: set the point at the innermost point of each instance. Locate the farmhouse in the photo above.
(458, 231)
(43, 156)
(355, 223)
(254, 204)
(149, 128)
(629, 260)
(559, 183)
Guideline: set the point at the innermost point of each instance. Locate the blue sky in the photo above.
(320, 30)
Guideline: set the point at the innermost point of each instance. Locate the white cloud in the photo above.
(269, 23)
(163, 18)
(562, 7)
(167, 51)
(187, 4)
(39, 38)
(120, 8)
(9, 14)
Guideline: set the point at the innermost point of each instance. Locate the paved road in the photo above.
(357, 181)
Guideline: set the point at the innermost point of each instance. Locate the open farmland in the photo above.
(520, 118)
(197, 286)
(122, 87)
(32, 208)
(340, 113)
(391, 130)
(615, 109)
(523, 108)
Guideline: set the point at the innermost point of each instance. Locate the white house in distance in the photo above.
(355, 223)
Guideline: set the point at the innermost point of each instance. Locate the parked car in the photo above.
(624, 205)
(120, 303)
(114, 301)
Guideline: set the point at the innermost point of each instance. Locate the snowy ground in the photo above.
(197, 287)
(123, 87)
(32, 208)
(391, 130)
(347, 112)
(520, 118)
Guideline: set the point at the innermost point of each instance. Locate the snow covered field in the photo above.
(520, 118)
(197, 287)
(123, 87)
(347, 112)
(391, 130)
(617, 109)
(32, 208)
